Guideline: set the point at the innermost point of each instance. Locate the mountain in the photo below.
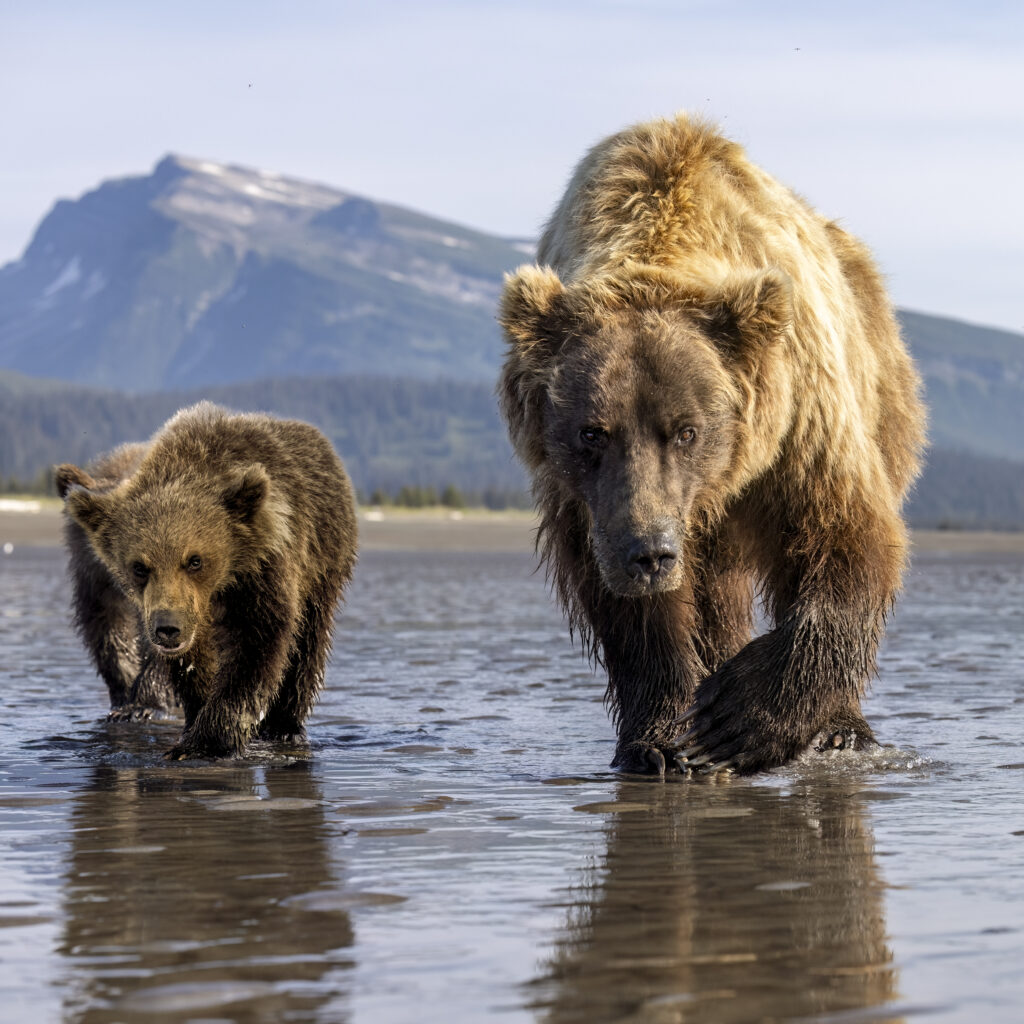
(201, 273)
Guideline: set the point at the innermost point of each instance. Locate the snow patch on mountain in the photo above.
(69, 275)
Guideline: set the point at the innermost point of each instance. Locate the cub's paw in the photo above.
(130, 713)
(135, 712)
(195, 746)
(191, 751)
(640, 758)
(293, 739)
(281, 732)
(212, 734)
(180, 752)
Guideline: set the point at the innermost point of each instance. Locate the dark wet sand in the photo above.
(472, 531)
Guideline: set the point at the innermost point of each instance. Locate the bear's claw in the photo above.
(138, 713)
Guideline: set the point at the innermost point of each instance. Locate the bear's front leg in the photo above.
(647, 646)
(151, 695)
(231, 683)
(804, 679)
(750, 714)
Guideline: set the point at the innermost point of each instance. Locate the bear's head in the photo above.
(173, 545)
(632, 392)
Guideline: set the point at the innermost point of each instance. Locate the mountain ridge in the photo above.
(204, 272)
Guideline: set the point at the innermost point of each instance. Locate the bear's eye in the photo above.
(686, 437)
(194, 564)
(593, 437)
(140, 572)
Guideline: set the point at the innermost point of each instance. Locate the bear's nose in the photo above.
(166, 630)
(168, 635)
(651, 556)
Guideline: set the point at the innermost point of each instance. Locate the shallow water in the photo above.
(451, 848)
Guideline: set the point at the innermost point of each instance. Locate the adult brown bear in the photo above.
(707, 383)
(233, 535)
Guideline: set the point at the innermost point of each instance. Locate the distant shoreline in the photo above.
(38, 524)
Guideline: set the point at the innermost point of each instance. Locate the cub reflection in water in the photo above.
(725, 904)
(186, 899)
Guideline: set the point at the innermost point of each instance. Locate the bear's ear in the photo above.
(245, 492)
(535, 317)
(531, 310)
(746, 313)
(91, 511)
(67, 476)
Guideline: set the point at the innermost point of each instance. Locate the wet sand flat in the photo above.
(441, 530)
(450, 845)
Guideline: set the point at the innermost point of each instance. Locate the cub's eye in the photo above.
(140, 572)
(194, 564)
(686, 437)
(594, 437)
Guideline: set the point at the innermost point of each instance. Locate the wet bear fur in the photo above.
(707, 383)
(105, 617)
(233, 537)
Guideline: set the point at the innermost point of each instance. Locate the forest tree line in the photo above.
(405, 442)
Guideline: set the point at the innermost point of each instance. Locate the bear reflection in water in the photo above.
(728, 904)
(190, 888)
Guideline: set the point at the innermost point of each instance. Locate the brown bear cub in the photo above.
(233, 537)
(705, 378)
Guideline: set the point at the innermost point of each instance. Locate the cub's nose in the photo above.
(652, 556)
(165, 630)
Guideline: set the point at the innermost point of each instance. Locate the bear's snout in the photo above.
(649, 558)
(166, 632)
(640, 562)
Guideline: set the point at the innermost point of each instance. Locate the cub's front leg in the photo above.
(227, 688)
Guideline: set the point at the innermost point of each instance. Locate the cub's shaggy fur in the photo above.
(105, 617)
(706, 380)
(232, 537)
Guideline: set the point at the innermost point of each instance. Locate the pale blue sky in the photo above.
(904, 120)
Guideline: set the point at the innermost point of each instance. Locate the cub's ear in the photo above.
(534, 316)
(747, 312)
(92, 512)
(67, 476)
(245, 492)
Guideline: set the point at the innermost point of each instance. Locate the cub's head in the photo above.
(172, 545)
(631, 394)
